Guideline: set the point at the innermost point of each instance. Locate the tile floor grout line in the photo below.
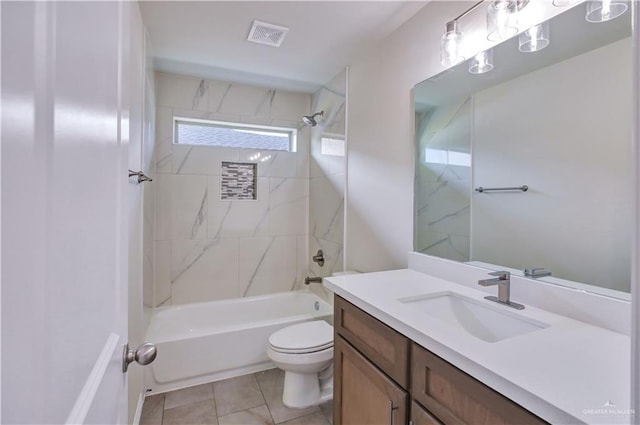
(273, 421)
(215, 402)
(268, 406)
(164, 399)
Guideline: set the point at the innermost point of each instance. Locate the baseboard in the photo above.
(138, 415)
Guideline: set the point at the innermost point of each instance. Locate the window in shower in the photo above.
(189, 131)
(332, 145)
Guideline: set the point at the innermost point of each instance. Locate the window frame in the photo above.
(293, 132)
(334, 136)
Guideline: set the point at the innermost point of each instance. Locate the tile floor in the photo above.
(254, 399)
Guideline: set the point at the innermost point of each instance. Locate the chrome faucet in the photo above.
(308, 280)
(504, 289)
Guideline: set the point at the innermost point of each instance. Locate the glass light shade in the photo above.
(605, 10)
(535, 38)
(502, 21)
(450, 46)
(482, 62)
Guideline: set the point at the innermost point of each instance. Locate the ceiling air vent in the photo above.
(269, 34)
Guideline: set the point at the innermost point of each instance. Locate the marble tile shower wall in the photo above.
(148, 190)
(443, 181)
(327, 179)
(209, 249)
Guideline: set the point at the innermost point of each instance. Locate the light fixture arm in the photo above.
(520, 4)
(450, 41)
(463, 14)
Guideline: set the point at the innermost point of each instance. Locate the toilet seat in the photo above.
(307, 337)
(302, 350)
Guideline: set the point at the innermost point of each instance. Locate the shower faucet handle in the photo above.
(319, 258)
(536, 272)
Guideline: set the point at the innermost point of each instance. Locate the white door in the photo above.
(64, 213)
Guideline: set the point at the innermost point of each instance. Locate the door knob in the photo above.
(144, 354)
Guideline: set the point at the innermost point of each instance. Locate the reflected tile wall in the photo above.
(206, 248)
(443, 181)
(326, 183)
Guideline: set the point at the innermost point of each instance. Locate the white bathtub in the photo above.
(210, 341)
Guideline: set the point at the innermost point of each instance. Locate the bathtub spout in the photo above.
(308, 280)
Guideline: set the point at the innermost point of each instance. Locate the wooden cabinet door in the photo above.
(363, 394)
(420, 416)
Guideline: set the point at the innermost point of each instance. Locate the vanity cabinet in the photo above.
(363, 393)
(421, 416)
(382, 345)
(382, 377)
(457, 398)
(370, 369)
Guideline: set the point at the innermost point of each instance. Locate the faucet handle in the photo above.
(502, 275)
(536, 272)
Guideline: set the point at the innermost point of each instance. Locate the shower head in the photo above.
(310, 120)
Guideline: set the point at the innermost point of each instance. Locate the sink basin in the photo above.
(483, 321)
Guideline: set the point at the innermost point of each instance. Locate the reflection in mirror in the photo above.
(557, 120)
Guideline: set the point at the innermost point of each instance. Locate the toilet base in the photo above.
(304, 390)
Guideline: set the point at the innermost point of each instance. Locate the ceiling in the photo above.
(209, 39)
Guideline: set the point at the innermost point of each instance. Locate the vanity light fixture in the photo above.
(452, 39)
(482, 62)
(450, 45)
(501, 24)
(605, 10)
(502, 19)
(534, 39)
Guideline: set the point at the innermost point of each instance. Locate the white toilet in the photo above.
(305, 352)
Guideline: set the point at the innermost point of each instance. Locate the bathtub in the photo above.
(210, 341)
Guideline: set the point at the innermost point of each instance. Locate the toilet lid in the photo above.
(303, 337)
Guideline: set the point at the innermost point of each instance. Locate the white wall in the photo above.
(380, 164)
(206, 248)
(149, 190)
(380, 160)
(588, 202)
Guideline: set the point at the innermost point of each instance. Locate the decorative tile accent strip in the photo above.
(239, 180)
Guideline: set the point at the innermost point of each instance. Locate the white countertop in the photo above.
(570, 372)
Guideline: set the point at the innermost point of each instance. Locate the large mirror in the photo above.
(557, 121)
